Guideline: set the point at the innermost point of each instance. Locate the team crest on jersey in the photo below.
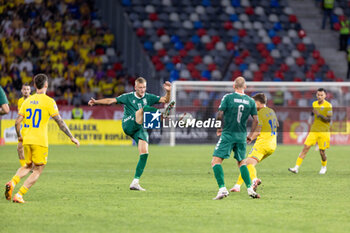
(322, 107)
(144, 101)
(133, 101)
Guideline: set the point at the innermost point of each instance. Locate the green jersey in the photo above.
(132, 103)
(237, 108)
(3, 98)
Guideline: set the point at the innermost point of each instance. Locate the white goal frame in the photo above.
(228, 86)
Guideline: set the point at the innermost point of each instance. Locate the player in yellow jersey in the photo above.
(26, 93)
(35, 113)
(319, 131)
(266, 140)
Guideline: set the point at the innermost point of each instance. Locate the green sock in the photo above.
(140, 165)
(148, 108)
(219, 175)
(245, 175)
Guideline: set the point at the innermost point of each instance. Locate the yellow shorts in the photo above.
(322, 138)
(36, 154)
(260, 152)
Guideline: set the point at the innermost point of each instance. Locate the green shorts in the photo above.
(225, 146)
(134, 130)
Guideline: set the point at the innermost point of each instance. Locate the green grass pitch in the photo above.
(87, 190)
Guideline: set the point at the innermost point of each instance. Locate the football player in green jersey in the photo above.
(234, 110)
(135, 103)
(4, 103)
(266, 140)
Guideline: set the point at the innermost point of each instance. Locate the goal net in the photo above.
(292, 102)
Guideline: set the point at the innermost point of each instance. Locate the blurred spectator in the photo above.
(16, 79)
(107, 85)
(6, 79)
(348, 58)
(344, 32)
(68, 96)
(26, 64)
(77, 98)
(63, 38)
(347, 98)
(278, 98)
(128, 87)
(87, 95)
(56, 82)
(328, 6)
(303, 103)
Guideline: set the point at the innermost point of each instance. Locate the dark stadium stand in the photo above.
(201, 40)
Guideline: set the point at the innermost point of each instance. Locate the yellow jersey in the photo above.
(324, 109)
(20, 102)
(268, 122)
(37, 110)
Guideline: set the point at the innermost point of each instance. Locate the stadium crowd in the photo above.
(338, 13)
(64, 39)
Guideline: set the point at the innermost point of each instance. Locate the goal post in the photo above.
(291, 101)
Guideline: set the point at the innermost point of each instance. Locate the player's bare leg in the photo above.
(323, 155)
(143, 152)
(219, 176)
(21, 172)
(139, 113)
(165, 114)
(29, 182)
(300, 159)
(324, 162)
(139, 116)
(305, 150)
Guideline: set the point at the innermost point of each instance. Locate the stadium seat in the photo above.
(202, 34)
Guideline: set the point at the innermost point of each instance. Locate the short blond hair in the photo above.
(239, 83)
(140, 80)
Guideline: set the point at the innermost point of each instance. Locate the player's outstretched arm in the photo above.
(4, 109)
(62, 125)
(253, 129)
(18, 127)
(106, 101)
(256, 133)
(167, 88)
(220, 117)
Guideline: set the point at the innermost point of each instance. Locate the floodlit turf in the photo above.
(87, 190)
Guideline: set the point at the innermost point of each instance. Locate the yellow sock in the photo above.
(324, 163)
(240, 180)
(252, 171)
(299, 161)
(23, 190)
(15, 180)
(22, 162)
